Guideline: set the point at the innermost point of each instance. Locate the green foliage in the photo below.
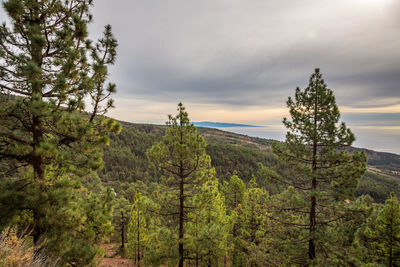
(121, 215)
(228, 159)
(253, 226)
(125, 159)
(377, 186)
(125, 162)
(233, 192)
(76, 219)
(341, 236)
(182, 156)
(323, 173)
(207, 227)
(79, 242)
(48, 147)
(382, 236)
(383, 161)
(137, 230)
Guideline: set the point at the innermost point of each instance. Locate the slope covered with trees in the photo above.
(126, 162)
(163, 193)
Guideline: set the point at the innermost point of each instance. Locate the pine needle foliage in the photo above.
(181, 156)
(49, 139)
(323, 172)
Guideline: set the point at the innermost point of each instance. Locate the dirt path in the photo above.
(114, 261)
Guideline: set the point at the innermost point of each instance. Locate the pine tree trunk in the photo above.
(209, 252)
(181, 219)
(311, 244)
(38, 172)
(138, 238)
(181, 205)
(37, 132)
(391, 243)
(122, 231)
(311, 241)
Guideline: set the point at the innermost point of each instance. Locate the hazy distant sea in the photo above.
(267, 132)
(383, 140)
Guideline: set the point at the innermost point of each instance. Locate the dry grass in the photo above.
(18, 251)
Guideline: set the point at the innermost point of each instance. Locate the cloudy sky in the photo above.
(238, 61)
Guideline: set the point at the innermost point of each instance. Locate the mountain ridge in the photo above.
(210, 124)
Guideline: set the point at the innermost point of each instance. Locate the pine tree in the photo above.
(207, 227)
(121, 215)
(48, 66)
(137, 230)
(234, 192)
(77, 239)
(254, 225)
(383, 239)
(323, 172)
(181, 155)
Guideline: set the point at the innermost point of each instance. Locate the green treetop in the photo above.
(323, 172)
(208, 226)
(48, 60)
(137, 230)
(181, 155)
(383, 239)
(234, 192)
(48, 67)
(253, 230)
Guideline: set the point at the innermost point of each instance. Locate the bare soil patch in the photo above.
(112, 260)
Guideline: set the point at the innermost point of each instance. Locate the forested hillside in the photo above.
(125, 159)
(73, 180)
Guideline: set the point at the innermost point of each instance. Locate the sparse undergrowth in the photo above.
(16, 250)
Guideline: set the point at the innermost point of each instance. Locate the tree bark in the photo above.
(122, 231)
(181, 220)
(181, 205)
(138, 238)
(311, 241)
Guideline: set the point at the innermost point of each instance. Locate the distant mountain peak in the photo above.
(210, 124)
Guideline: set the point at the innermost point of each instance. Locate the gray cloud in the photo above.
(246, 57)
(254, 53)
(234, 52)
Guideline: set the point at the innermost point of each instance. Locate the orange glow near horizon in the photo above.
(136, 110)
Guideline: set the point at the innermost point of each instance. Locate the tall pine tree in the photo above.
(234, 192)
(254, 224)
(208, 226)
(48, 66)
(181, 155)
(323, 172)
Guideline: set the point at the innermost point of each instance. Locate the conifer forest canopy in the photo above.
(76, 183)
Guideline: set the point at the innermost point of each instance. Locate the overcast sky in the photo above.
(238, 61)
